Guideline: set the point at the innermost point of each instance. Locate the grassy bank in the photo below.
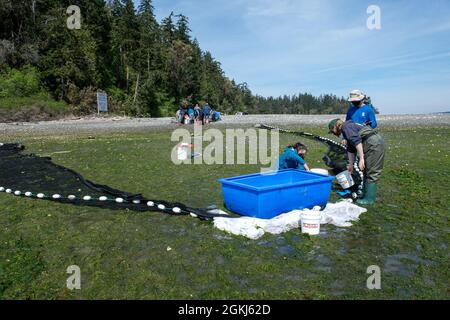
(124, 254)
(32, 108)
(24, 98)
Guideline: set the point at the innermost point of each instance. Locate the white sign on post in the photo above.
(102, 102)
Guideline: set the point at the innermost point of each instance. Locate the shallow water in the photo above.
(403, 264)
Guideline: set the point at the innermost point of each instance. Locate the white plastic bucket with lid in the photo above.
(183, 151)
(345, 179)
(310, 222)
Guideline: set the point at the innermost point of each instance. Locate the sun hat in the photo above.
(356, 95)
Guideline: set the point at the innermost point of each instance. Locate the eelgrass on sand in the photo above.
(129, 255)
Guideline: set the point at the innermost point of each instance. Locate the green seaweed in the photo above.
(124, 255)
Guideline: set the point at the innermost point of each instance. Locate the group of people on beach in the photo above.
(188, 114)
(359, 135)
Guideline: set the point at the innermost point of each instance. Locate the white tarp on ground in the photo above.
(339, 214)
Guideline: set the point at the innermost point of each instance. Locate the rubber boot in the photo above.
(370, 194)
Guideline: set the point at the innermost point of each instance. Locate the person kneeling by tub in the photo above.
(369, 146)
(293, 157)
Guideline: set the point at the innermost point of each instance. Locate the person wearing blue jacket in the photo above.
(293, 157)
(206, 113)
(190, 113)
(360, 111)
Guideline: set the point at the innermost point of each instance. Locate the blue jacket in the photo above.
(206, 110)
(362, 115)
(290, 160)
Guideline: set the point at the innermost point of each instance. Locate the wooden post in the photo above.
(148, 63)
(136, 90)
(127, 76)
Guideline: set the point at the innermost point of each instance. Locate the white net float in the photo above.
(176, 210)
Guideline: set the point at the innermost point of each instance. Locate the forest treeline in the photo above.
(147, 67)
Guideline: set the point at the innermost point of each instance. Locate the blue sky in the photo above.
(324, 46)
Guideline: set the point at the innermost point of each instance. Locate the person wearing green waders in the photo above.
(369, 146)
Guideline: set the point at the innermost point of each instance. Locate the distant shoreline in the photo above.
(94, 125)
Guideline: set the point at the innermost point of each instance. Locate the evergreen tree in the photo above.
(182, 31)
(148, 67)
(69, 57)
(179, 56)
(168, 29)
(149, 38)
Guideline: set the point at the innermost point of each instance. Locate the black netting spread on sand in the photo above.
(31, 176)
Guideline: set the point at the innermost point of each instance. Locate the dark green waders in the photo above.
(374, 151)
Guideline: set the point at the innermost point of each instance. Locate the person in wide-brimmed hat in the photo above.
(360, 111)
(369, 146)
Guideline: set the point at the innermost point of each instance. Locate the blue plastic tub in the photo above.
(270, 194)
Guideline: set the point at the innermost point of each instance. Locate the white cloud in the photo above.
(386, 62)
(347, 35)
(288, 46)
(430, 30)
(301, 9)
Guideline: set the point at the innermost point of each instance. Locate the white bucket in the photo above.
(310, 222)
(320, 171)
(345, 179)
(183, 151)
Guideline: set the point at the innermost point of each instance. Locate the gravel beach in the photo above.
(91, 125)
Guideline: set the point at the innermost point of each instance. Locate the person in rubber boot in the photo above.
(369, 146)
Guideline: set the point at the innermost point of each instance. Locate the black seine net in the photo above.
(31, 176)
